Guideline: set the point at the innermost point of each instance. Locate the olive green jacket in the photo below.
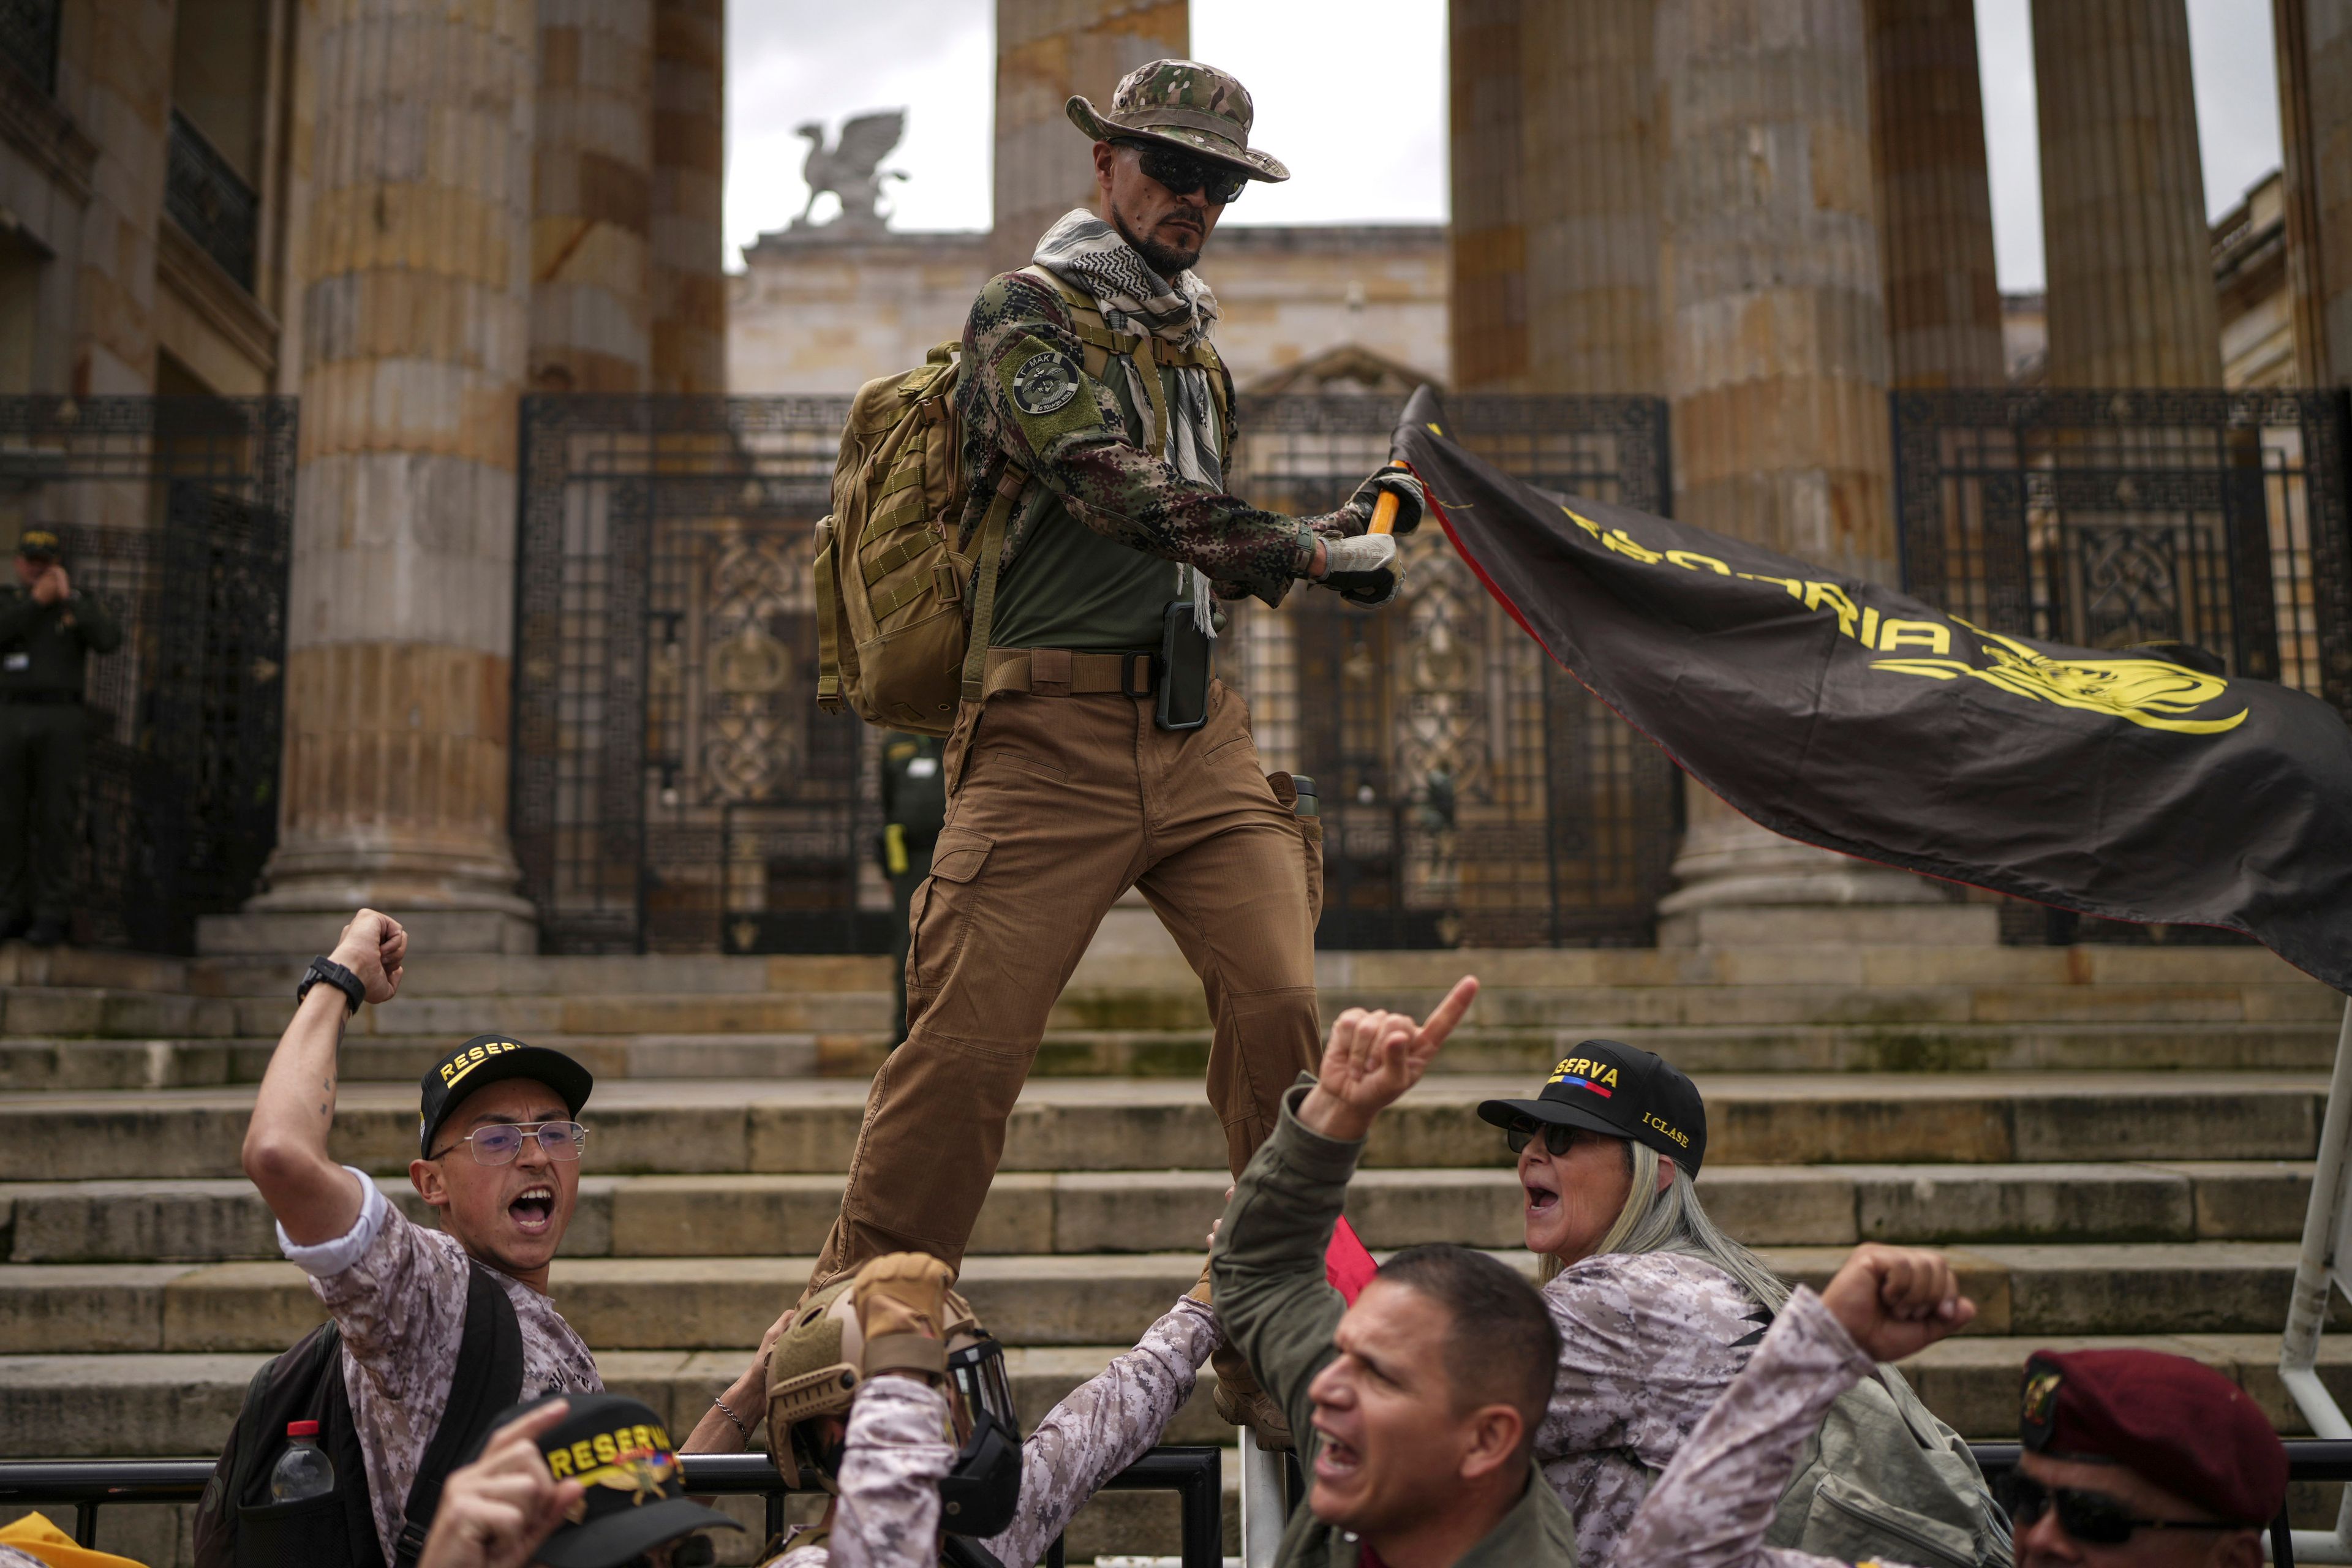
(1279, 1309)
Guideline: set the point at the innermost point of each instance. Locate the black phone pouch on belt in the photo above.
(1183, 671)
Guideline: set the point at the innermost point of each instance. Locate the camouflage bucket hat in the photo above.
(1184, 104)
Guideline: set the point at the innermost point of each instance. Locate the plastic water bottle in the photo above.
(303, 1471)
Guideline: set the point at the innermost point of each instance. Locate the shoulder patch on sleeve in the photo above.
(1049, 394)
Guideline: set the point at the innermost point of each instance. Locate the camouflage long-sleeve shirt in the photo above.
(1648, 1342)
(1083, 454)
(887, 1515)
(1715, 1502)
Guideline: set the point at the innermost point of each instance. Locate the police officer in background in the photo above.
(914, 808)
(46, 626)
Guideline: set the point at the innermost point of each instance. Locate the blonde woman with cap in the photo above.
(1657, 1309)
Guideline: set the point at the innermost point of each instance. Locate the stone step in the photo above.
(651, 1303)
(692, 1126)
(155, 1405)
(742, 1215)
(112, 1013)
(47, 1064)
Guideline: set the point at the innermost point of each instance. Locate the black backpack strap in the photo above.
(487, 1382)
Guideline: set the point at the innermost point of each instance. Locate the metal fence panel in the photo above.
(178, 513)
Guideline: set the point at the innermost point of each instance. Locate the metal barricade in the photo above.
(1195, 1474)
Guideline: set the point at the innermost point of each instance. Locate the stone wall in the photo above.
(817, 311)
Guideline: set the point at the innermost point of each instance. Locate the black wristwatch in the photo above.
(336, 975)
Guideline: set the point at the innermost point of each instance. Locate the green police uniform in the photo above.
(43, 733)
(914, 808)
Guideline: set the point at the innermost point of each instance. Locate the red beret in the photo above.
(2182, 1425)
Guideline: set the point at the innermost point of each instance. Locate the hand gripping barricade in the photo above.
(820, 1362)
(2325, 1265)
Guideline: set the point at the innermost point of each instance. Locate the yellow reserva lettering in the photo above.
(1894, 634)
(1796, 589)
(661, 1439)
(641, 1438)
(1830, 596)
(1870, 628)
(559, 1463)
(1618, 539)
(1609, 1078)
(1585, 524)
(1691, 561)
(583, 1456)
(606, 1450)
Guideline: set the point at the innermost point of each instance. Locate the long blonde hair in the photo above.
(1672, 1219)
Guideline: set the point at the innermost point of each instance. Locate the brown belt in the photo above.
(1060, 672)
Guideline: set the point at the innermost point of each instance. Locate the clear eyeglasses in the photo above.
(498, 1146)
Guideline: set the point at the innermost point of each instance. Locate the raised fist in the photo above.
(374, 947)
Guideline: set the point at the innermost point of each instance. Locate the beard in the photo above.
(1166, 260)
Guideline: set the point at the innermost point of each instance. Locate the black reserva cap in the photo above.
(492, 1058)
(635, 1499)
(39, 544)
(1622, 1092)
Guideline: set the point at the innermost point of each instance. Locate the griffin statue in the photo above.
(851, 168)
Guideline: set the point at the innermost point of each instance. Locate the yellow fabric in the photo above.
(36, 1536)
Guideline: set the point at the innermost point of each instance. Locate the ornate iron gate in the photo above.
(2106, 518)
(674, 786)
(1473, 793)
(177, 512)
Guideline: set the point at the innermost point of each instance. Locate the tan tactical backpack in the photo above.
(890, 585)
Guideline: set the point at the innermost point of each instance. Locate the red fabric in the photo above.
(2177, 1422)
(1349, 1265)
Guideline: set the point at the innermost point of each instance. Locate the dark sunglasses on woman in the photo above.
(2094, 1518)
(1183, 173)
(1524, 1130)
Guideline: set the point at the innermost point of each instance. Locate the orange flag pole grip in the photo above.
(1384, 512)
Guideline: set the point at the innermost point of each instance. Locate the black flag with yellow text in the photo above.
(1844, 714)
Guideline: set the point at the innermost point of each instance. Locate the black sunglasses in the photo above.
(2094, 1518)
(1183, 173)
(1523, 1131)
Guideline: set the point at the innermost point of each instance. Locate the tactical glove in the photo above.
(1397, 480)
(1363, 569)
(901, 1299)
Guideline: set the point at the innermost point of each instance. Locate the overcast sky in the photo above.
(791, 61)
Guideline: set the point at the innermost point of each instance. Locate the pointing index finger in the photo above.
(1450, 1011)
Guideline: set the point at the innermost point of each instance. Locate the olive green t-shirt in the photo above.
(1074, 588)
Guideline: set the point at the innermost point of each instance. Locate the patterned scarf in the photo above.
(1088, 253)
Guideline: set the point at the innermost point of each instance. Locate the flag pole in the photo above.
(2306, 1313)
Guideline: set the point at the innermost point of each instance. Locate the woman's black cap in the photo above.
(634, 1489)
(492, 1058)
(1623, 1091)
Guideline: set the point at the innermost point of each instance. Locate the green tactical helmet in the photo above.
(1184, 104)
(814, 1370)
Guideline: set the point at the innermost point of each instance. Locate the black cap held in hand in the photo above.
(492, 1059)
(619, 1451)
(1622, 1092)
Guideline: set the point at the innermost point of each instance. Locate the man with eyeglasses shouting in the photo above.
(1100, 754)
(499, 1146)
(2133, 1459)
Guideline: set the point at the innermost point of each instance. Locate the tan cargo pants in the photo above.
(1057, 804)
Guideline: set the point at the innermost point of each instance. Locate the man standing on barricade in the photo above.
(1100, 755)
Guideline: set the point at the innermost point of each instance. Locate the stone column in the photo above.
(399, 620)
(1775, 350)
(2313, 39)
(1047, 50)
(592, 197)
(2123, 197)
(1490, 284)
(1589, 175)
(690, 282)
(114, 78)
(1935, 208)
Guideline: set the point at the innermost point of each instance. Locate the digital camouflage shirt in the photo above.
(1084, 457)
(397, 1292)
(1715, 1502)
(887, 1511)
(1648, 1342)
